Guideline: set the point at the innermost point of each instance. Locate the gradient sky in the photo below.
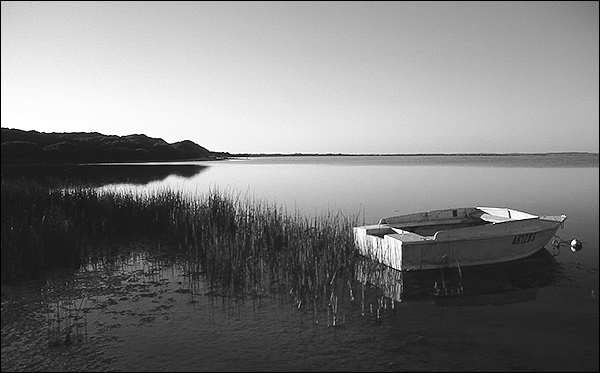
(309, 77)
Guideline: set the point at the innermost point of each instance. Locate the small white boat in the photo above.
(451, 238)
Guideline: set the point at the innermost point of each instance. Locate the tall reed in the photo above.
(242, 245)
(45, 228)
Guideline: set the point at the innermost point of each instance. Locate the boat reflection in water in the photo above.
(492, 284)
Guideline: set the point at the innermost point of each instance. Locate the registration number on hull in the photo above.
(523, 238)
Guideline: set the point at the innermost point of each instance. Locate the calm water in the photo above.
(539, 314)
(380, 186)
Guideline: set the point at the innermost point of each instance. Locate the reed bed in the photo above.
(248, 246)
(65, 315)
(242, 245)
(46, 228)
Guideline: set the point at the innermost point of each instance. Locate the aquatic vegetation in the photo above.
(242, 245)
(65, 314)
(44, 228)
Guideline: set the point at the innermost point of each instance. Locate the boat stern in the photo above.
(376, 242)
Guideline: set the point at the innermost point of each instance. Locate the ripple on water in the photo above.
(145, 314)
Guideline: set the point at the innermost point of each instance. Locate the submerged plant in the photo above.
(65, 315)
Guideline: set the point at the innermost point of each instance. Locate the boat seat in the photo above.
(494, 218)
(406, 235)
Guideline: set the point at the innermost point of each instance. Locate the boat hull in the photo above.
(493, 243)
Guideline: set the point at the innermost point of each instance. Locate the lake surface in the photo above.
(537, 314)
(373, 187)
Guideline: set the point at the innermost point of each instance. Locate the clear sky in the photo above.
(309, 77)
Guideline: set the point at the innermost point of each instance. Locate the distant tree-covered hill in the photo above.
(20, 146)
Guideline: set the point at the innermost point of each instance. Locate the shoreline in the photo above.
(405, 154)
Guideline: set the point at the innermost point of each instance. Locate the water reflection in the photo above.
(139, 289)
(96, 175)
(494, 284)
(158, 312)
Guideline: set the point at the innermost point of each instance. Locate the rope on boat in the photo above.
(575, 244)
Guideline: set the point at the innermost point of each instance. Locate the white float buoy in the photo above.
(576, 245)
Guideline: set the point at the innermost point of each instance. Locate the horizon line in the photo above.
(245, 154)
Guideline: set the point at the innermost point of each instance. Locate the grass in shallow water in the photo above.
(240, 244)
